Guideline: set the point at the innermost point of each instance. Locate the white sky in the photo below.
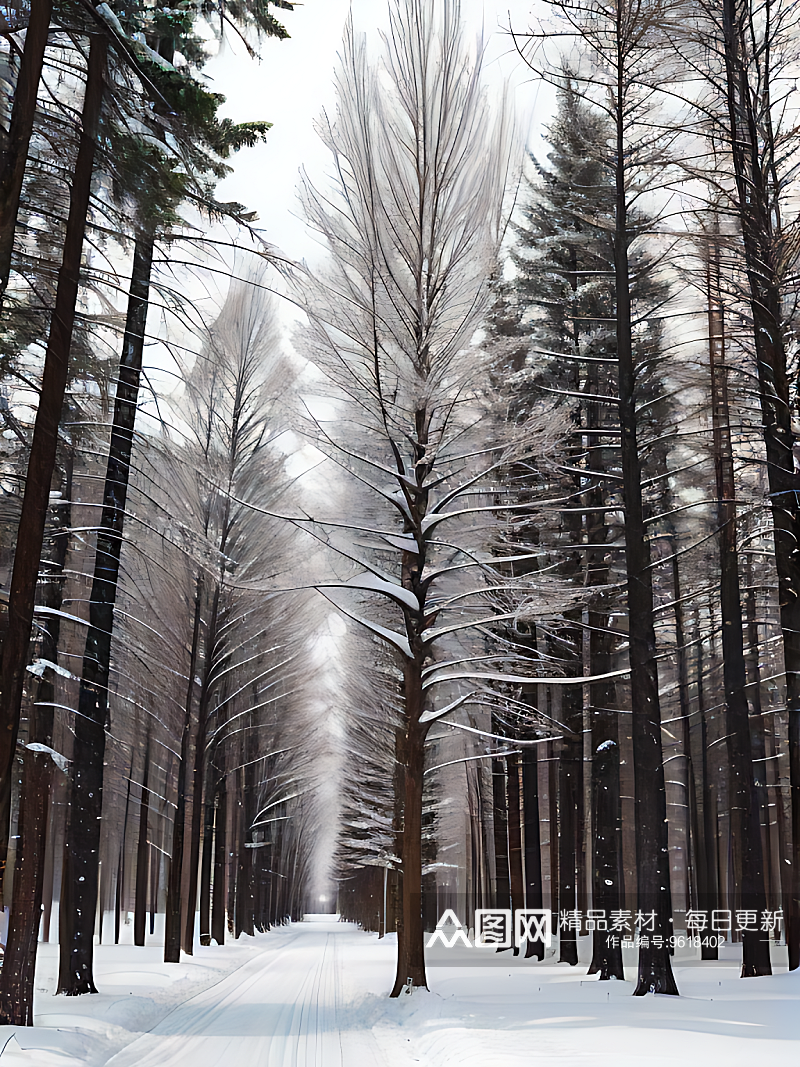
(292, 84)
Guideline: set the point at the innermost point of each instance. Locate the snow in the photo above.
(314, 994)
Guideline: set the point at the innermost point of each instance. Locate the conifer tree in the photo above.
(563, 296)
(582, 279)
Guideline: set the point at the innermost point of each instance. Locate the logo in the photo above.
(494, 928)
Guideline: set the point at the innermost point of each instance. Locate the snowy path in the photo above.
(278, 1010)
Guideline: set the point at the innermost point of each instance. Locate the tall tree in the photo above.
(564, 297)
(390, 325)
(621, 40)
(153, 203)
(41, 462)
(758, 43)
(745, 831)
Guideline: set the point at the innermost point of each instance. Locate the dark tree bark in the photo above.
(747, 861)
(690, 823)
(569, 790)
(502, 879)
(762, 753)
(606, 956)
(142, 853)
(23, 111)
(82, 842)
(605, 788)
(533, 855)
(172, 919)
(652, 854)
(19, 961)
(707, 852)
(41, 461)
(209, 807)
(173, 929)
(758, 188)
(411, 959)
(198, 771)
(220, 847)
(552, 819)
(607, 868)
(119, 892)
(245, 895)
(516, 880)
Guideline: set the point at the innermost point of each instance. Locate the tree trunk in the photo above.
(569, 784)
(142, 853)
(41, 461)
(552, 820)
(118, 895)
(172, 928)
(411, 962)
(220, 845)
(172, 919)
(198, 770)
(19, 962)
(23, 111)
(516, 880)
(652, 854)
(690, 822)
(245, 894)
(607, 867)
(82, 844)
(707, 864)
(209, 808)
(747, 859)
(533, 856)
(752, 144)
(502, 880)
(762, 753)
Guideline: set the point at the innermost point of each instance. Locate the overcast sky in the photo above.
(293, 82)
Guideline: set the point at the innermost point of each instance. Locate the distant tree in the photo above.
(232, 408)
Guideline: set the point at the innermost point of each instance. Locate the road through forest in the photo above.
(278, 1010)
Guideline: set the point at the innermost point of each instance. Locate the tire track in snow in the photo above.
(277, 1010)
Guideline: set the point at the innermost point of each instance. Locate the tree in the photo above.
(620, 42)
(561, 303)
(390, 325)
(153, 202)
(41, 461)
(232, 406)
(756, 46)
(745, 828)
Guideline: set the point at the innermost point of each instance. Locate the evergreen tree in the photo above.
(562, 303)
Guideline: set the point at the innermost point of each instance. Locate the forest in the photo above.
(452, 572)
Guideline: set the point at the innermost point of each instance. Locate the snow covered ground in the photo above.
(314, 995)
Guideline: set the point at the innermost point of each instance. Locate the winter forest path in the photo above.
(278, 1010)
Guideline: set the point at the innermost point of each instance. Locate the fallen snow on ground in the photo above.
(314, 994)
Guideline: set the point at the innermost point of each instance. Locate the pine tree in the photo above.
(563, 296)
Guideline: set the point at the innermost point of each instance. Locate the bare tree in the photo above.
(413, 228)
